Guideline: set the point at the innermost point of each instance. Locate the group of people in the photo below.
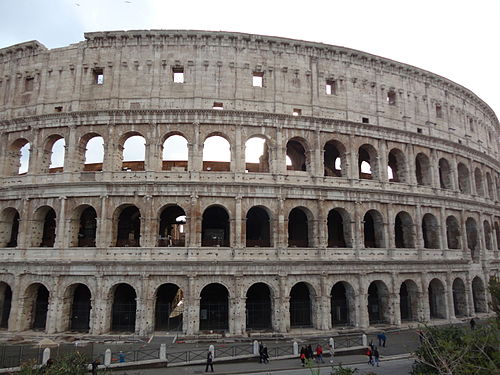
(373, 353)
(307, 354)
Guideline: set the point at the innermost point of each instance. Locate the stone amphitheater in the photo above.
(373, 201)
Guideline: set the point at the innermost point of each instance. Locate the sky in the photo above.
(457, 39)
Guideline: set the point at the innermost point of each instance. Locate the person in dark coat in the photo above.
(310, 353)
(95, 365)
(381, 339)
(303, 356)
(210, 360)
(265, 354)
(376, 357)
(472, 324)
(261, 349)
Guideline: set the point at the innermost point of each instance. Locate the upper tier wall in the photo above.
(137, 67)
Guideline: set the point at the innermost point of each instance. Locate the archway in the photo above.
(258, 227)
(18, 157)
(296, 151)
(175, 153)
(134, 152)
(169, 309)
(123, 311)
(342, 304)
(257, 155)
(396, 166)
(87, 228)
(214, 308)
(338, 228)
(479, 296)
(423, 170)
(452, 232)
(373, 229)
(408, 301)
(94, 152)
(378, 303)
(80, 308)
(215, 227)
(437, 302)
(472, 238)
(44, 227)
(300, 306)
(216, 154)
(459, 299)
(445, 175)
(128, 227)
(36, 306)
(258, 307)
(5, 304)
(298, 228)
(57, 156)
(335, 159)
(463, 178)
(403, 230)
(367, 162)
(478, 179)
(9, 227)
(172, 227)
(487, 235)
(430, 231)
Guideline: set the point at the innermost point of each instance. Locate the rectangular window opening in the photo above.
(29, 83)
(419, 130)
(297, 112)
(439, 111)
(365, 120)
(58, 109)
(218, 106)
(178, 72)
(471, 124)
(98, 76)
(331, 87)
(391, 97)
(257, 79)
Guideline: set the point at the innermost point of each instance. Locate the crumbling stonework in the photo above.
(324, 242)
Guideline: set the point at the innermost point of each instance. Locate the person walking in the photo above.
(303, 356)
(381, 339)
(265, 354)
(472, 324)
(210, 360)
(309, 352)
(261, 349)
(376, 357)
(332, 352)
(369, 353)
(95, 365)
(319, 354)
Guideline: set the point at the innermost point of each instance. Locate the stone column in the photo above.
(52, 312)
(282, 307)
(352, 156)
(424, 298)
(236, 315)
(238, 153)
(113, 152)
(74, 156)
(412, 177)
(444, 237)
(237, 240)
(146, 306)
(435, 170)
(24, 237)
(465, 247)
(449, 295)
(16, 307)
(149, 224)
(358, 229)
(390, 219)
(324, 317)
(322, 224)
(469, 296)
(104, 231)
(395, 300)
(419, 240)
(454, 173)
(282, 230)
(362, 303)
(62, 239)
(318, 156)
(101, 309)
(191, 317)
(383, 162)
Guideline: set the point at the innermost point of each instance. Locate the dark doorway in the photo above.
(257, 228)
(298, 228)
(88, 227)
(300, 306)
(335, 229)
(215, 227)
(378, 298)
(373, 229)
(340, 311)
(129, 227)
(436, 300)
(6, 303)
(49, 229)
(14, 231)
(459, 299)
(169, 308)
(334, 152)
(408, 301)
(40, 308)
(297, 154)
(258, 307)
(172, 225)
(80, 309)
(124, 308)
(214, 308)
(403, 231)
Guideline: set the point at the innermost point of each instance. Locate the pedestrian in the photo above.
(472, 324)
(265, 354)
(210, 360)
(95, 365)
(381, 339)
(121, 357)
(319, 354)
(261, 348)
(332, 352)
(376, 356)
(309, 354)
(369, 353)
(303, 356)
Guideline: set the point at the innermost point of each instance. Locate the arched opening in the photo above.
(296, 151)
(373, 229)
(80, 308)
(430, 231)
(339, 231)
(479, 296)
(87, 228)
(258, 226)
(172, 227)
(335, 159)
(257, 155)
(472, 238)
(396, 166)
(378, 303)
(175, 153)
(452, 232)
(44, 227)
(215, 227)
(9, 227)
(489, 185)
(487, 235)
(403, 231)
(94, 152)
(497, 233)
(36, 307)
(214, 308)
(298, 228)
(5, 304)
(128, 227)
(463, 179)
(423, 170)
(124, 308)
(18, 157)
(342, 304)
(258, 307)
(169, 310)
(134, 152)
(216, 154)
(300, 306)
(57, 153)
(459, 300)
(445, 176)
(408, 301)
(368, 162)
(437, 303)
(478, 179)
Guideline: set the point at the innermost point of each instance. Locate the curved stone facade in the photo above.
(385, 213)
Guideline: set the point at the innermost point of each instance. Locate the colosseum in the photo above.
(371, 197)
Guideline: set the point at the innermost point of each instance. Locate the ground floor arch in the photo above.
(459, 298)
(437, 300)
(5, 304)
(214, 308)
(169, 308)
(378, 303)
(78, 302)
(479, 296)
(301, 307)
(258, 307)
(342, 305)
(123, 310)
(36, 306)
(408, 301)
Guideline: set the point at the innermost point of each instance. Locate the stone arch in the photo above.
(423, 169)
(478, 179)
(260, 161)
(396, 166)
(91, 152)
(373, 229)
(472, 238)
(489, 186)
(459, 298)
(172, 230)
(342, 304)
(215, 228)
(258, 227)
(259, 307)
(9, 227)
(83, 227)
(408, 301)
(214, 308)
(453, 232)
(221, 143)
(297, 150)
(175, 152)
(299, 227)
(169, 308)
(487, 235)
(368, 162)
(335, 159)
(339, 228)
(18, 157)
(378, 303)
(52, 157)
(77, 306)
(403, 231)
(133, 155)
(127, 219)
(430, 231)
(124, 308)
(36, 306)
(445, 174)
(497, 234)
(437, 299)
(43, 230)
(479, 295)
(5, 304)
(463, 178)
(301, 305)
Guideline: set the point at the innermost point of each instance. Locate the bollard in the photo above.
(46, 355)
(365, 340)
(332, 342)
(255, 347)
(107, 357)
(163, 352)
(295, 348)
(211, 348)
